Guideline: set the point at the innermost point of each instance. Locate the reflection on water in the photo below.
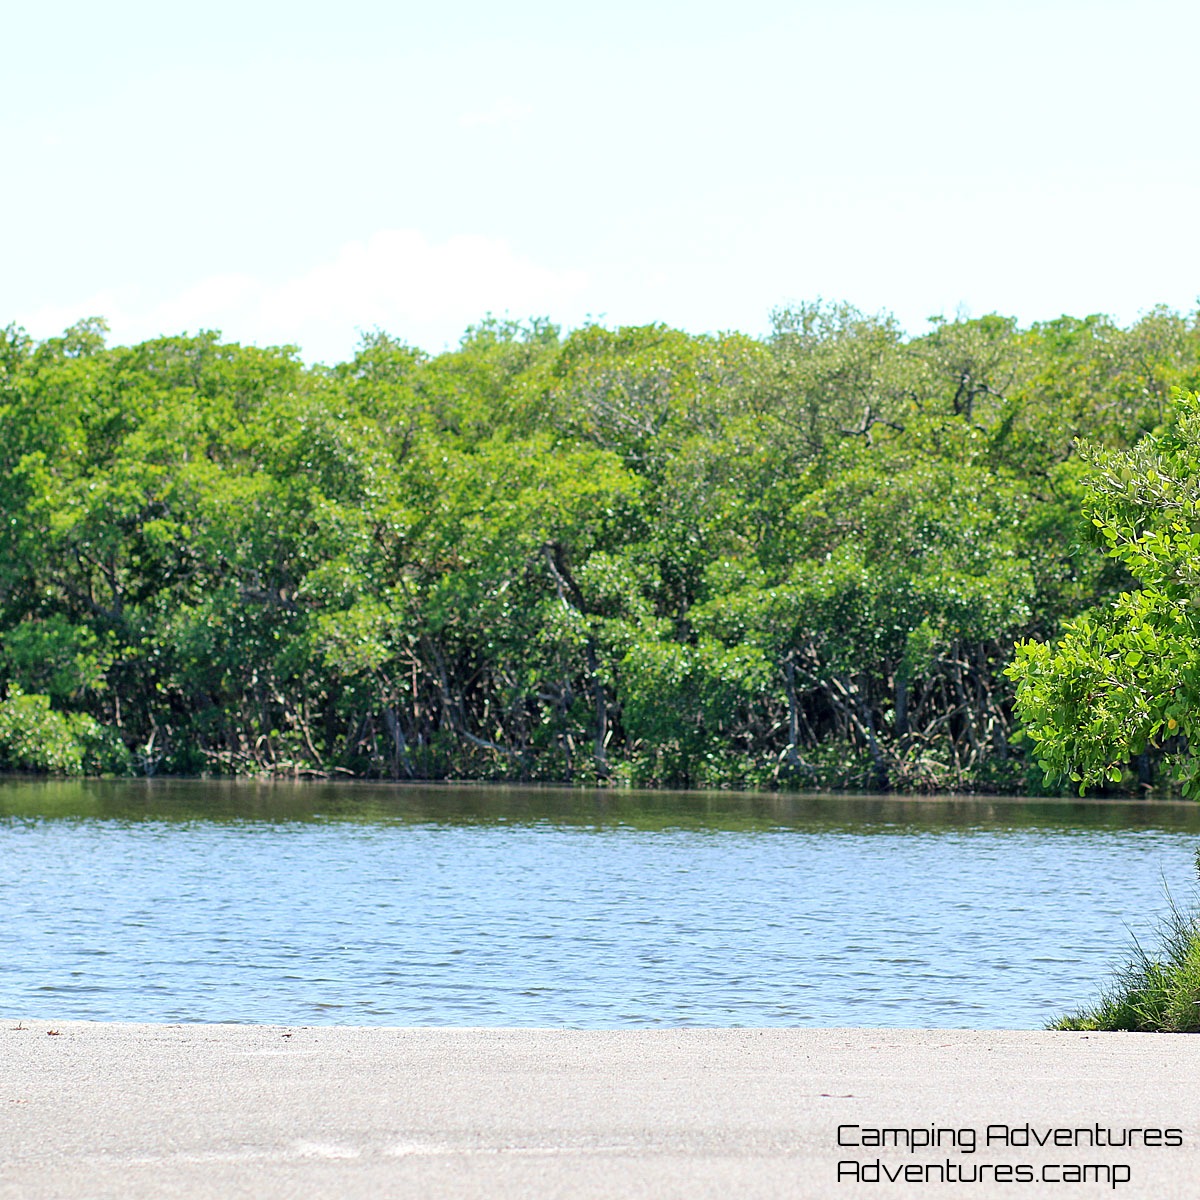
(317, 903)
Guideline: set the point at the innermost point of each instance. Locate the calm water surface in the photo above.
(363, 904)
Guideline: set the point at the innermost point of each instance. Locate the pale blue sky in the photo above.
(300, 172)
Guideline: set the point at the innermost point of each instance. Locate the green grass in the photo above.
(1152, 993)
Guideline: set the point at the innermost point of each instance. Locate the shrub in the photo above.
(36, 737)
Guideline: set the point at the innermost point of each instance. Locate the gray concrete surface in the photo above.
(102, 1110)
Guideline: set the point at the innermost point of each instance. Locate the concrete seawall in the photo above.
(112, 1110)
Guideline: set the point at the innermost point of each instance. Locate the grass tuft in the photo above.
(1153, 993)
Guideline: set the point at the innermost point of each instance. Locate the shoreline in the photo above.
(135, 1110)
(1164, 795)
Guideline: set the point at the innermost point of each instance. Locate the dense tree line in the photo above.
(624, 554)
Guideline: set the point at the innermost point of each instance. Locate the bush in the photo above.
(36, 737)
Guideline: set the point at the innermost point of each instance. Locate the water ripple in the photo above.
(540, 924)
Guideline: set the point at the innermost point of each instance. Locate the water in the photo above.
(361, 904)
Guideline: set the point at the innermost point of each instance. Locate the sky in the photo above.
(301, 173)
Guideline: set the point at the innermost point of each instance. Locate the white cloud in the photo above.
(424, 292)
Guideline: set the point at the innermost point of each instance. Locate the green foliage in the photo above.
(1125, 679)
(34, 737)
(622, 554)
(53, 656)
(682, 703)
